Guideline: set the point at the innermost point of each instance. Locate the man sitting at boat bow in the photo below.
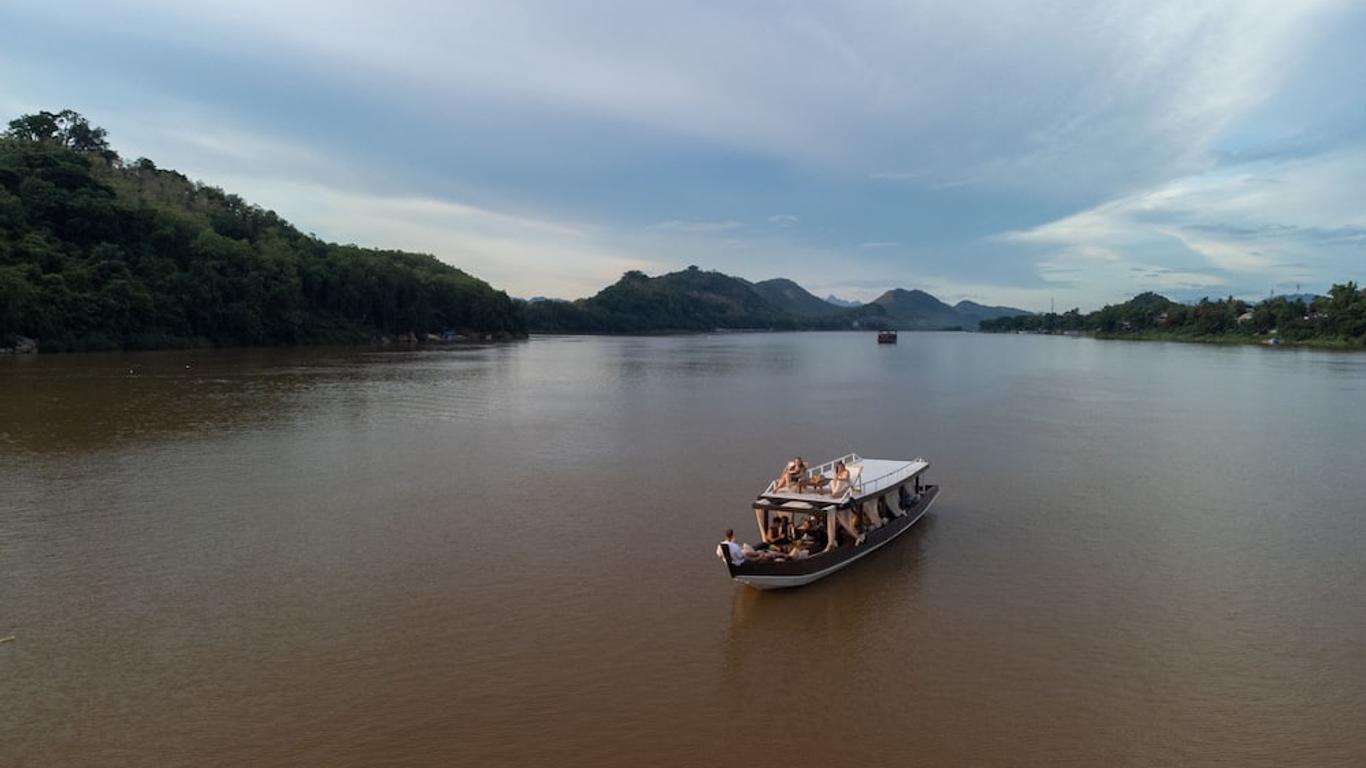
(739, 554)
(729, 548)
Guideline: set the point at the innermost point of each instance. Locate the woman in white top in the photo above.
(841, 483)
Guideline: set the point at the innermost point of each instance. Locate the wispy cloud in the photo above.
(897, 175)
(1258, 223)
(784, 220)
(700, 227)
(520, 254)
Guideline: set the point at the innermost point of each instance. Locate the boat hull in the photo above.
(796, 573)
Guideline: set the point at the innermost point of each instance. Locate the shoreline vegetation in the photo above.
(1334, 321)
(98, 254)
(1233, 340)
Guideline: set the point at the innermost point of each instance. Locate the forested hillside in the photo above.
(918, 310)
(792, 299)
(688, 300)
(98, 254)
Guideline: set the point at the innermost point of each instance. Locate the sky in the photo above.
(1055, 152)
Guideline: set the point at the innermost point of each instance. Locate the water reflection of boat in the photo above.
(829, 519)
(886, 337)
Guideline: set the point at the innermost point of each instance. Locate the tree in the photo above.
(66, 128)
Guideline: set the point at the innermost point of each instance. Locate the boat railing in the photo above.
(829, 466)
(884, 481)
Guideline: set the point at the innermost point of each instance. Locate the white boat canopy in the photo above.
(866, 478)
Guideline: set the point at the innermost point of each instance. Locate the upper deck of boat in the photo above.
(867, 477)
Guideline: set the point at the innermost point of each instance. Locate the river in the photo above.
(1144, 554)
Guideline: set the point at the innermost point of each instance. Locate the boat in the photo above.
(886, 337)
(881, 499)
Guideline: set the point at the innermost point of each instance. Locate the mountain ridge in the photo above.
(785, 294)
(701, 300)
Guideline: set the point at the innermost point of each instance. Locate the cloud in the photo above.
(996, 87)
(699, 227)
(1258, 223)
(1231, 256)
(878, 244)
(522, 255)
(897, 175)
(783, 219)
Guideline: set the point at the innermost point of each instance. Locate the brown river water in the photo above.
(1144, 555)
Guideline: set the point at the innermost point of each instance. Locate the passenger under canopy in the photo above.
(874, 495)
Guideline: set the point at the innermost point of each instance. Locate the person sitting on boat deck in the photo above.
(729, 550)
(849, 523)
(790, 474)
(738, 554)
(777, 536)
(904, 496)
(801, 479)
(841, 482)
(811, 535)
(762, 555)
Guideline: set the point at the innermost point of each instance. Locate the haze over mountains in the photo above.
(837, 301)
(694, 300)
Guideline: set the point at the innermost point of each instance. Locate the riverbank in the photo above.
(25, 346)
(1235, 340)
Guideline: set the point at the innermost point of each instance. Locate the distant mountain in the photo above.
(698, 300)
(785, 296)
(916, 310)
(973, 313)
(1148, 302)
(690, 300)
(846, 303)
(1307, 298)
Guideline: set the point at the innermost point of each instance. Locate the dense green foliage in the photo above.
(1338, 318)
(689, 300)
(98, 255)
